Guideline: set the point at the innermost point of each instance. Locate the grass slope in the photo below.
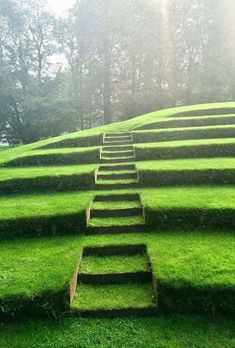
(190, 236)
(11, 154)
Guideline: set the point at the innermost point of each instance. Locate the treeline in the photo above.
(123, 58)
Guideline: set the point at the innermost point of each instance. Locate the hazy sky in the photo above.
(60, 7)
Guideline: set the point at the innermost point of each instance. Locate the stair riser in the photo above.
(118, 138)
(119, 249)
(116, 213)
(118, 148)
(117, 154)
(121, 134)
(116, 186)
(119, 278)
(115, 229)
(112, 143)
(117, 198)
(117, 168)
(117, 176)
(117, 160)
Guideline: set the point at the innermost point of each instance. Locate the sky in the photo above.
(60, 7)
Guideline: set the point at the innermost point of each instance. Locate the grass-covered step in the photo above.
(116, 299)
(132, 174)
(189, 122)
(119, 221)
(114, 154)
(213, 171)
(116, 184)
(123, 159)
(118, 142)
(186, 149)
(59, 178)
(209, 132)
(56, 157)
(115, 264)
(116, 168)
(131, 206)
(116, 225)
(118, 148)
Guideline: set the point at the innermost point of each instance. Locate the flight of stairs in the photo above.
(115, 280)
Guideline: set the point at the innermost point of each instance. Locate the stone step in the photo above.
(117, 197)
(116, 278)
(97, 213)
(117, 176)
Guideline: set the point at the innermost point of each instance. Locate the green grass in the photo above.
(197, 259)
(176, 331)
(37, 205)
(186, 129)
(115, 205)
(187, 164)
(187, 143)
(34, 172)
(113, 264)
(53, 204)
(194, 269)
(193, 121)
(114, 296)
(117, 181)
(117, 221)
(12, 154)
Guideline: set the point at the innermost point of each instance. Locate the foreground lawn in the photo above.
(159, 332)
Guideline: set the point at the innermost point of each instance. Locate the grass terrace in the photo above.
(129, 220)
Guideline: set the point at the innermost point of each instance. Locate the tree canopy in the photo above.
(122, 59)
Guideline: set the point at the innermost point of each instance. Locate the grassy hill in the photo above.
(130, 219)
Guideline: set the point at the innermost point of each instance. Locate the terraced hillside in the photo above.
(131, 219)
